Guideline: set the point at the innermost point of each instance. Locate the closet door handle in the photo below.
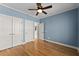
(11, 34)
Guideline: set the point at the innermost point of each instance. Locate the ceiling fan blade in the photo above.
(32, 9)
(37, 13)
(47, 7)
(44, 12)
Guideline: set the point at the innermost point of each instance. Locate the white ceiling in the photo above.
(56, 9)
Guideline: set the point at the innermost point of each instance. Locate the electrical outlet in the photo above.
(48, 37)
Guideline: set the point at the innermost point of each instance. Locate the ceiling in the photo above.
(56, 9)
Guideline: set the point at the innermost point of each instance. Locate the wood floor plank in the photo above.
(39, 48)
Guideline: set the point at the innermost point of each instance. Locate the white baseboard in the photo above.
(78, 50)
(27, 41)
(63, 44)
(17, 45)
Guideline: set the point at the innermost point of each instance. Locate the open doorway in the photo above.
(39, 30)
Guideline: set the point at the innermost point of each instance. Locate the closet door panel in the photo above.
(29, 30)
(17, 31)
(5, 32)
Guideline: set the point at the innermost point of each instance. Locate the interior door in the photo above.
(5, 32)
(17, 31)
(36, 25)
(29, 30)
(41, 31)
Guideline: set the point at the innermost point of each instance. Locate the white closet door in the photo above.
(5, 32)
(41, 31)
(17, 31)
(29, 30)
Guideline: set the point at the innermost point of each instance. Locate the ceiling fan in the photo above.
(40, 8)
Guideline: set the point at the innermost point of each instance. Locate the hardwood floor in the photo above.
(39, 48)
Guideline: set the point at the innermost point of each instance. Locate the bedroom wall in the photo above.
(78, 27)
(62, 27)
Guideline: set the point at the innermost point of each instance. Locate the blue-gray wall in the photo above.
(62, 27)
(11, 12)
(78, 27)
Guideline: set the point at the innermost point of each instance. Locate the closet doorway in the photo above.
(11, 31)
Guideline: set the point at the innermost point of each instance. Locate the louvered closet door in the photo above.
(29, 30)
(17, 31)
(5, 32)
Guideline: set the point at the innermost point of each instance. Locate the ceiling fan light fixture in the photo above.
(39, 10)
